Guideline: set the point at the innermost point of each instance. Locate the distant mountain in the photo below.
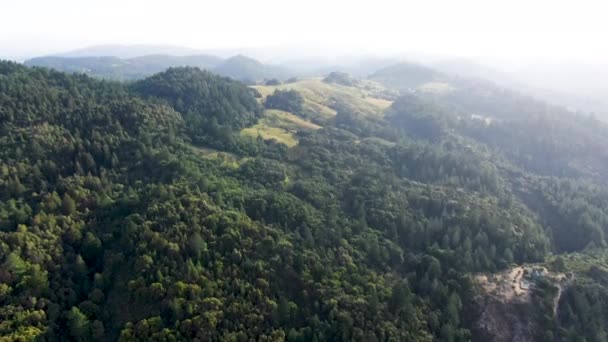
(577, 87)
(123, 69)
(130, 51)
(162, 62)
(365, 67)
(248, 69)
(101, 66)
(404, 76)
(238, 67)
(357, 66)
(464, 67)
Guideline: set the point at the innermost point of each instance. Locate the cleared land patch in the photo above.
(280, 126)
(515, 285)
(279, 118)
(322, 98)
(436, 87)
(271, 133)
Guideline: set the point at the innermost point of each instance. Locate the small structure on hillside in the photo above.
(530, 277)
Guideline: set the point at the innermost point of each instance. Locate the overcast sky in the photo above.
(508, 29)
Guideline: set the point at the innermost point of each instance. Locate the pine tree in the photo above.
(68, 205)
(79, 324)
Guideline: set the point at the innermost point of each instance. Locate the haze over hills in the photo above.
(129, 51)
(574, 85)
(358, 66)
(584, 85)
(123, 69)
(237, 67)
(248, 69)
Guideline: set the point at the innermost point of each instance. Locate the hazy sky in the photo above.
(510, 29)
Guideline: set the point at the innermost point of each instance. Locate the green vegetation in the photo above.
(280, 126)
(582, 306)
(322, 99)
(288, 121)
(211, 106)
(267, 132)
(340, 78)
(286, 100)
(175, 208)
(272, 82)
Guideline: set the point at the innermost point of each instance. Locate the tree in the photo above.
(68, 205)
(97, 330)
(196, 245)
(399, 297)
(78, 324)
(340, 78)
(91, 246)
(36, 280)
(287, 100)
(15, 264)
(273, 82)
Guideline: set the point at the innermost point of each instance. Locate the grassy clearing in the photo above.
(286, 120)
(377, 102)
(581, 263)
(379, 141)
(264, 90)
(280, 135)
(322, 97)
(436, 87)
(211, 153)
(323, 111)
(226, 158)
(280, 126)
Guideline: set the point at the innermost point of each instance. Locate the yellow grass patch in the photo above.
(287, 120)
(320, 97)
(280, 135)
(280, 126)
(436, 87)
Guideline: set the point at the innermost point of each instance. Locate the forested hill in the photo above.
(188, 206)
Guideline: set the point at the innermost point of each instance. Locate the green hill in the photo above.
(176, 208)
(248, 69)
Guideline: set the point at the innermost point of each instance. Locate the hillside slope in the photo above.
(143, 212)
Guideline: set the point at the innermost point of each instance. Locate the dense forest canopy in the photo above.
(211, 106)
(287, 100)
(139, 212)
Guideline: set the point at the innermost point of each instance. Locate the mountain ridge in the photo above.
(239, 67)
